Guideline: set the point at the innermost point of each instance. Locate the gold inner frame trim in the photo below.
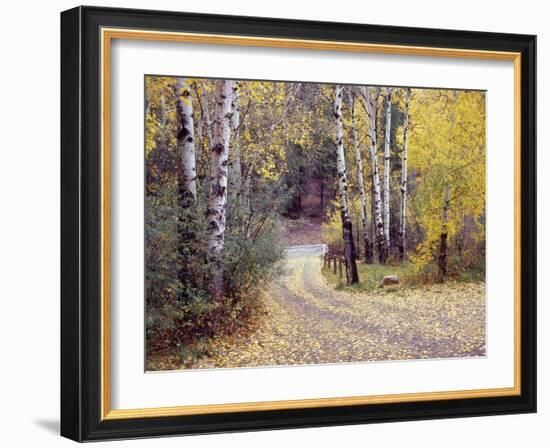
(107, 35)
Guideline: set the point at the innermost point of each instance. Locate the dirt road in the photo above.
(310, 322)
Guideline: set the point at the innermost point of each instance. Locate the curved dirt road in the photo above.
(309, 322)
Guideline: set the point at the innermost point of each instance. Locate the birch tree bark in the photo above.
(387, 170)
(235, 174)
(349, 246)
(371, 104)
(403, 222)
(217, 198)
(442, 258)
(360, 181)
(373, 223)
(187, 173)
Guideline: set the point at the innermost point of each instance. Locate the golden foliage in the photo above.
(446, 150)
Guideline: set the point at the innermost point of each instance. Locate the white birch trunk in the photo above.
(403, 223)
(217, 199)
(349, 246)
(387, 170)
(360, 181)
(187, 173)
(371, 103)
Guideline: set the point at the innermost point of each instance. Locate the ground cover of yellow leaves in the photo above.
(307, 321)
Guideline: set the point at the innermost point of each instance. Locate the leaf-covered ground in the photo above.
(308, 321)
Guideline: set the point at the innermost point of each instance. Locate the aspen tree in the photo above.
(389, 92)
(371, 102)
(217, 198)
(187, 173)
(403, 221)
(360, 180)
(349, 246)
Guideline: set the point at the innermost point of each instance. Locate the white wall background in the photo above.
(29, 224)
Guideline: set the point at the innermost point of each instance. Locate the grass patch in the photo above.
(371, 275)
(471, 276)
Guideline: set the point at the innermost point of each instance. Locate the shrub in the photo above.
(182, 317)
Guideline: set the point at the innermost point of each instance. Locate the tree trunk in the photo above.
(387, 171)
(187, 174)
(349, 246)
(443, 243)
(361, 182)
(186, 169)
(403, 223)
(371, 105)
(373, 224)
(442, 259)
(235, 158)
(217, 198)
(322, 189)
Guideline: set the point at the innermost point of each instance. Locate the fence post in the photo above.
(340, 269)
(334, 267)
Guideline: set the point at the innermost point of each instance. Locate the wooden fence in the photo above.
(334, 261)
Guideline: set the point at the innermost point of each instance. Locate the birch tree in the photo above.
(370, 103)
(389, 92)
(403, 222)
(217, 198)
(360, 180)
(349, 246)
(187, 173)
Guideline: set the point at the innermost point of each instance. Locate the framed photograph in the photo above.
(272, 223)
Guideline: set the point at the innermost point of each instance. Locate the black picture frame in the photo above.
(81, 224)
